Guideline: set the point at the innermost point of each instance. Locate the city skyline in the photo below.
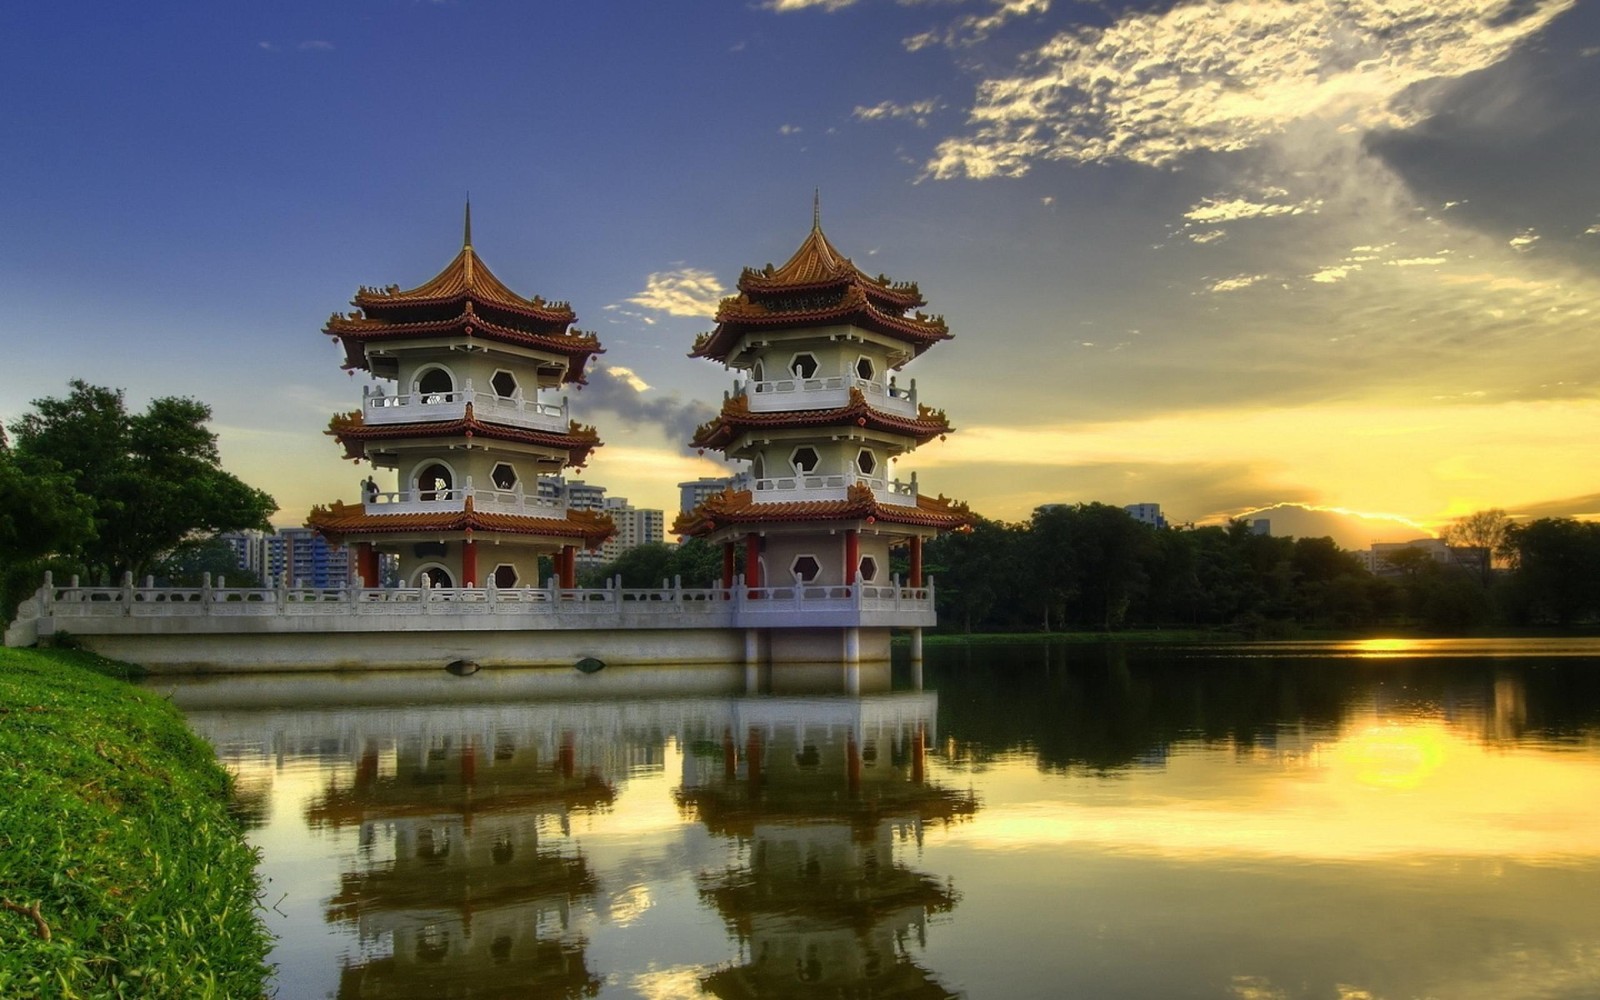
(1222, 257)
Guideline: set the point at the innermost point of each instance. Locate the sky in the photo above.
(1331, 262)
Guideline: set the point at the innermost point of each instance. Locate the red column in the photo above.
(727, 565)
(469, 563)
(569, 566)
(752, 559)
(916, 562)
(852, 556)
(367, 564)
(919, 755)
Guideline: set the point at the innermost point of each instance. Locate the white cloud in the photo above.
(1153, 87)
(1236, 283)
(975, 28)
(789, 129)
(1213, 210)
(916, 112)
(687, 291)
(1208, 236)
(1524, 240)
(1334, 273)
(1593, 230)
(1416, 261)
(629, 377)
(790, 6)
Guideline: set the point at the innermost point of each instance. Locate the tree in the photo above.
(44, 523)
(154, 478)
(1557, 568)
(1487, 532)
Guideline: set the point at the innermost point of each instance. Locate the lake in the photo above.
(1354, 821)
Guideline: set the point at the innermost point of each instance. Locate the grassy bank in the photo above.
(121, 872)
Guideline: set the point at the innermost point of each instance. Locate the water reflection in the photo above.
(816, 797)
(1108, 822)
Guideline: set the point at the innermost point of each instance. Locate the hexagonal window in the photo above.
(504, 383)
(867, 462)
(504, 476)
(804, 459)
(805, 568)
(505, 576)
(865, 369)
(804, 366)
(869, 568)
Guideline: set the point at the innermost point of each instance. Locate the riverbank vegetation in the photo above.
(1093, 567)
(89, 488)
(122, 873)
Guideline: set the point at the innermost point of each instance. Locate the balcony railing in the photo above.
(811, 486)
(796, 393)
(426, 407)
(437, 501)
(119, 610)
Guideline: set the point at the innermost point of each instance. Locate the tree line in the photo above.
(1092, 566)
(90, 488)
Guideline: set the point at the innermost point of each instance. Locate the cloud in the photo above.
(916, 112)
(618, 390)
(1153, 87)
(1221, 209)
(687, 291)
(790, 6)
(1524, 240)
(789, 129)
(1236, 283)
(974, 28)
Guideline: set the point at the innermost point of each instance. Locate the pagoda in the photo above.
(821, 420)
(461, 366)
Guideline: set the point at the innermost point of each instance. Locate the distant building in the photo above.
(696, 491)
(1146, 513)
(1377, 559)
(635, 527)
(1261, 526)
(299, 555)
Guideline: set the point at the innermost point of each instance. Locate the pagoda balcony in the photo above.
(780, 395)
(454, 500)
(377, 407)
(810, 486)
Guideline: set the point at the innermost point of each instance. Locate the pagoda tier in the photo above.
(817, 287)
(341, 522)
(359, 438)
(738, 420)
(464, 301)
(739, 508)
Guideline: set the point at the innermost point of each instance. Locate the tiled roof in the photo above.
(818, 265)
(736, 417)
(744, 313)
(353, 432)
(356, 330)
(739, 507)
(465, 277)
(342, 521)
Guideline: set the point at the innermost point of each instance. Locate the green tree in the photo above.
(1487, 533)
(154, 478)
(1557, 569)
(188, 564)
(44, 523)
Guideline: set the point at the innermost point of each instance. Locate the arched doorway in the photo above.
(435, 576)
(434, 482)
(435, 385)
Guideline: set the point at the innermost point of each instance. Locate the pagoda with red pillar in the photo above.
(457, 412)
(822, 421)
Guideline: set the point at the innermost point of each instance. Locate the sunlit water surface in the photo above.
(1350, 821)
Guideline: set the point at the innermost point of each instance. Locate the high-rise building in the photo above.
(1147, 513)
(697, 491)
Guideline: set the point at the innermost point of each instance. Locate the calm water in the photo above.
(1352, 823)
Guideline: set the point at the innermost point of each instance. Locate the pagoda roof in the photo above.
(354, 432)
(356, 330)
(340, 520)
(739, 507)
(819, 286)
(737, 417)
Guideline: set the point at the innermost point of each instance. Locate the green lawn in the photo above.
(122, 873)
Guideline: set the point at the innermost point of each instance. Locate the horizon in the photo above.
(1313, 262)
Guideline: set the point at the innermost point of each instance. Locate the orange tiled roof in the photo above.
(852, 304)
(818, 265)
(736, 417)
(465, 277)
(352, 431)
(739, 507)
(339, 521)
(356, 330)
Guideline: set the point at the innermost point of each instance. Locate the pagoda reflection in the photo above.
(471, 903)
(818, 794)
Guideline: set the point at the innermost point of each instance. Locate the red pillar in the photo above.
(469, 563)
(569, 566)
(852, 556)
(916, 562)
(752, 559)
(727, 565)
(919, 755)
(367, 564)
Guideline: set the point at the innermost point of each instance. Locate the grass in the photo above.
(122, 873)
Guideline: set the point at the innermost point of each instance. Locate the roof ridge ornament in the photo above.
(466, 229)
(816, 209)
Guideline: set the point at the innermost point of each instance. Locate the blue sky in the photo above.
(1331, 253)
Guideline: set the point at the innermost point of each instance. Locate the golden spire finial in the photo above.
(466, 232)
(816, 208)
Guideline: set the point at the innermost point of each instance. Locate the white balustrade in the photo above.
(806, 487)
(437, 501)
(778, 395)
(379, 408)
